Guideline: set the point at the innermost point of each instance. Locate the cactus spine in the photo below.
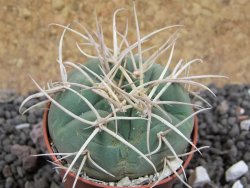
(120, 114)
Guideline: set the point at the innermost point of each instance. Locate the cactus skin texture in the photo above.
(69, 134)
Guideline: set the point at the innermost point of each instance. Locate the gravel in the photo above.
(219, 128)
(18, 169)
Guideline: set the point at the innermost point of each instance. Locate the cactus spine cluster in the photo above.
(120, 114)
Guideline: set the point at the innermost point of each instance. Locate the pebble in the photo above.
(111, 183)
(7, 171)
(54, 185)
(237, 170)
(36, 136)
(29, 163)
(2, 121)
(20, 171)
(237, 184)
(41, 183)
(124, 182)
(9, 158)
(25, 154)
(22, 151)
(141, 181)
(245, 125)
(233, 151)
(235, 131)
(232, 120)
(223, 107)
(29, 184)
(247, 156)
(199, 177)
(1, 112)
(32, 119)
(22, 126)
(2, 164)
(241, 145)
(9, 182)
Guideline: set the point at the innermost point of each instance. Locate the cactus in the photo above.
(120, 114)
(69, 134)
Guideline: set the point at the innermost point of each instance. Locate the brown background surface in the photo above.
(217, 31)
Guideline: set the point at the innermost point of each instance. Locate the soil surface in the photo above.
(217, 31)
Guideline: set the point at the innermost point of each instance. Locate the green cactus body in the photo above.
(69, 134)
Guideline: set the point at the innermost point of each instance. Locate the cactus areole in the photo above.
(106, 150)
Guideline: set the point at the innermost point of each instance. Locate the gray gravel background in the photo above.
(219, 128)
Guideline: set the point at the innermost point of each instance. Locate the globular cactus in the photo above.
(120, 114)
(69, 134)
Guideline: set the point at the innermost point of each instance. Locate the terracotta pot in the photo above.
(83, 183)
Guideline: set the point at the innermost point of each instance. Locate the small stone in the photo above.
(232, 121)
(241, 145)
(141, 181)
(233, 151)
(229, 143)
(235, 131)
(32, 118)
(244, 181)
(2, 164)
(20, 171)
(23, 136)
(2, 113)
(29, 184)
(9, 158)
(8, 128)
(54, 185)
(215, 128)
(41, 183)
(111, 184)
(199, 177)
(247, 157)
(22, 126)
(24, 153)
(7, 171)
(240, 111)
(6, 148)
(36, 135)
(124, 182)
(237, 184)
(9, 182)
(2, 121)
(13, 169)
(245, 125)
(20, 182)
(237, 170)
(223, 107)
(29, 163)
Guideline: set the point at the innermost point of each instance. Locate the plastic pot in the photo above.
(83, 183)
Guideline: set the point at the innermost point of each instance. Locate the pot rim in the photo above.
(47, 141)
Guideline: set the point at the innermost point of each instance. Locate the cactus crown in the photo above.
(119, 111)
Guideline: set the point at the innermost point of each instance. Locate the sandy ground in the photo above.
(216, 31)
